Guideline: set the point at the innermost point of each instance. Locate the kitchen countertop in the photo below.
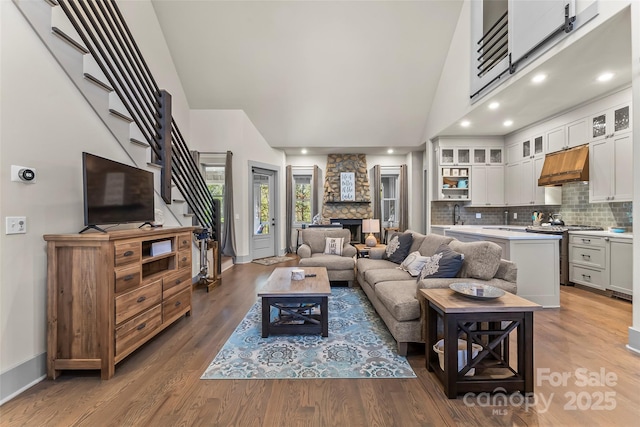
(604, 234)
(504, 234)
(520, 228)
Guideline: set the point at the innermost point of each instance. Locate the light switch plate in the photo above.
(515, 215)
(478, 215)
(16, 225)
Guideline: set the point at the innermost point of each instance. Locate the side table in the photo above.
(364, 250)
(488, 323)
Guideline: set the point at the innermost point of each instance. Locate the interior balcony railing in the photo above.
(105, 34)
(493, 46)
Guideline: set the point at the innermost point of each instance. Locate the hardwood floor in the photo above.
(159, 384)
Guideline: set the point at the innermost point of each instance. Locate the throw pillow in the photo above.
(333, 245)
(481, 259)
(413, 263)
(445, 263)
(398, 247)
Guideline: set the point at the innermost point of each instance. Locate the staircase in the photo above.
(92, 43)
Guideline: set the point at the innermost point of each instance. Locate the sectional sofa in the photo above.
(393, 292)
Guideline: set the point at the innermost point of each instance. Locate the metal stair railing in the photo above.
(107, 37)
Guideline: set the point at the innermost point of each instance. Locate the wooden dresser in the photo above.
(109, 293)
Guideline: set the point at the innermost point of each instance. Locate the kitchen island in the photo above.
(537, 257)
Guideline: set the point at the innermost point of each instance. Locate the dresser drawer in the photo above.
(176, 306)
(587, 240)
(184, 241)
(588, 256)
(127, 253)
(138, 300)
(587, 276)
(184, 259)
(131, 334)
(127, 278)
(176, 282)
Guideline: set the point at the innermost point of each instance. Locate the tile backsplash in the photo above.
(575, 209)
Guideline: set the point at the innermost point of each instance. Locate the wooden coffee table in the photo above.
(489, 324)
(302, 304)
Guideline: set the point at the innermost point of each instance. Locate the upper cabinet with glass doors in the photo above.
(487, 156)
(610, 122)
(455, 156)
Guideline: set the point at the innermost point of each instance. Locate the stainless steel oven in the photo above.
(562, 230)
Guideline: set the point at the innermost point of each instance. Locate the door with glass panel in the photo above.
(264, 222)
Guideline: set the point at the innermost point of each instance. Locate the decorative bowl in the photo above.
(476, 291)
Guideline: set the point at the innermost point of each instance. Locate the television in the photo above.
(115, 193)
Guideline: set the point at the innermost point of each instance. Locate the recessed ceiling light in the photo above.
(303, 151)
(465, 123)
(494, 105)
(507, 122)
(390, 151)
(605, 77)
(539, 78)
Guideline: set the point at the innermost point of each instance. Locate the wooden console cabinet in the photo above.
(109, 293)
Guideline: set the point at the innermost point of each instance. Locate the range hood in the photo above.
(565, 166)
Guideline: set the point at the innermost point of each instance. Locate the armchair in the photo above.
(339, 267)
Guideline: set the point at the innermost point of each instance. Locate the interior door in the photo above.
(264, 222)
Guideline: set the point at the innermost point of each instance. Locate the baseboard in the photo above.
(22, 377)
(634, 340)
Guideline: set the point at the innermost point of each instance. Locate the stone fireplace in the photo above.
(333, 208)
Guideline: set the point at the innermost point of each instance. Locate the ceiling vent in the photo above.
(565, 166)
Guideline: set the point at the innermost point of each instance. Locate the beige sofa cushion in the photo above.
(331, 262)
(399, 297)
(432, 242)
(316, 239)
(481, 259)
(373, 277)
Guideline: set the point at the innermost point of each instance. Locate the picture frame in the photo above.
(463, 172)
(446, 172)
(455, 172)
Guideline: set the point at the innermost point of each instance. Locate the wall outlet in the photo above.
(16, 225)
(478, 215)
(515, 215)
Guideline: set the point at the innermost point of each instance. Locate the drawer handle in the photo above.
(128, 277)
(177, 304)
(184, 259)
(586, 277)
(178, 281)
(586, 240)
(184, 242)
(128, 253)
(141, 327)
(586, 256)
(142, 298)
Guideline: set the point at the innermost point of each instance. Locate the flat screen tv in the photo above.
(115, 193)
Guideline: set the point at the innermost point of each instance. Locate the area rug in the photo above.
(272, 260)
(359, 346)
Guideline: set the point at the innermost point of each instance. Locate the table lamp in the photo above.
(370, 226)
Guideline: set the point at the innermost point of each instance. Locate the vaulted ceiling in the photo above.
(340, 76)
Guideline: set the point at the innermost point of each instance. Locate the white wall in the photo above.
(46, 124)
(223, 130)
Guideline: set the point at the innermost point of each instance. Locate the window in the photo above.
(390, 192)
(214, 178)
(302, 203)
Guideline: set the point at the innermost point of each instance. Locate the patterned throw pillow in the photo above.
(333, 245)
(398, 247)
(445, 263)
(413, 263)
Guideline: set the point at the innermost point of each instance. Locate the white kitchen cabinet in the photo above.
(455, 156)
(521, 184)
(487, 156)
(621, 262)
(601, 261)
(567, 136)
(556, 139)
(488, 186)
(588, 260)
(611, 169)
(610, 122)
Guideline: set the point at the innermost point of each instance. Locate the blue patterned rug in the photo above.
(359, 346)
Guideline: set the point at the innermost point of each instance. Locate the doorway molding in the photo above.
(277, 173)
